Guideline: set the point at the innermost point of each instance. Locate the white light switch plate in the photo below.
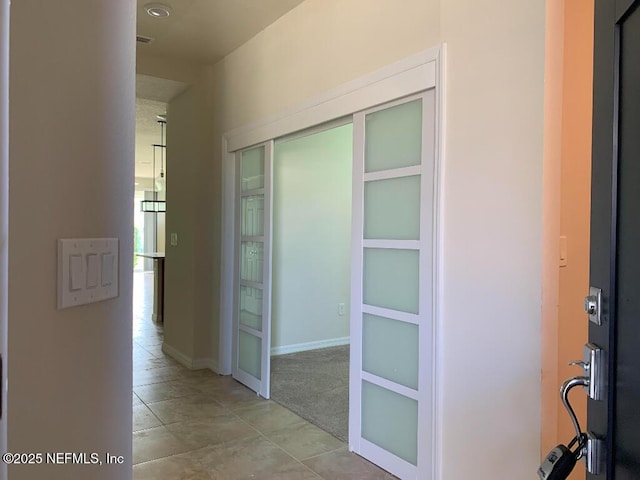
(87, 270)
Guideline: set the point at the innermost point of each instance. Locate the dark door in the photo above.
(615, 234)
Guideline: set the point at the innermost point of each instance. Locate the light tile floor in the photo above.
(196, 425)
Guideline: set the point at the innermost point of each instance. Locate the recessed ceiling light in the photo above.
(157, 10)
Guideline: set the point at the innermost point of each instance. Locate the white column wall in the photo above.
(4, 214)
(490, 337)
(72, 108)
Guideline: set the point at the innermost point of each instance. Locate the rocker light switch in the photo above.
(76, 272)
(107, 269)
(92, 270)
(87, 270)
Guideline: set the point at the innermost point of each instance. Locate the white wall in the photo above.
(71, 175)
(191, 268)
(183, 145)
(168, 68)
(491, 310)
(311, 238)
(316, 46)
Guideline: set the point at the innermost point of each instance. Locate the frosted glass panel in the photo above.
(390, 279)
(252, 216)
(252, 169)
(390, 421)
(251, 261)
(393, 137)
(251, 307)
(390, 350)
(249, 354)
(392, 209)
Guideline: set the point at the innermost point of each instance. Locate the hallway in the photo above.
(197, 425)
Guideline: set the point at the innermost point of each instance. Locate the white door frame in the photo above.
(4, 216)
(259, 385)
(409, 76)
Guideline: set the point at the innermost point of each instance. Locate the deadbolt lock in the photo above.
(593, 305)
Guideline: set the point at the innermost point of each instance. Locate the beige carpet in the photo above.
(315, 385)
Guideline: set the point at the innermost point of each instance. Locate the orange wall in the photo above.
(575, 198)
(569, 134)
(552, 154)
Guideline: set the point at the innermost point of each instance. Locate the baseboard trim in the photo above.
(209, 363)
(177, 355)
(188, 362)
(302, 347)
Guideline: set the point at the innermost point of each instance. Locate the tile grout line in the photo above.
(301, 462)
(264, 435)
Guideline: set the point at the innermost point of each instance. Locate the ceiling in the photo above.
(204, 31)
(197, 31)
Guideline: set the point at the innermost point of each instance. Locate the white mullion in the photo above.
(357, 234)
(438, 254)
(258, 239)
(392, 314)
(390, 385)
(252, 193)
(399, 101)
(426, 302)
(393, 244)
(250, 331)
(393, 173)
(266, 271)
(248, 283)
(237, 267)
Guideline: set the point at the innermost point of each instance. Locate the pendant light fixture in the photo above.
(156, 205)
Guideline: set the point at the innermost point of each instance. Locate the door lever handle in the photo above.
(579, 363)
(567, 386)
(560, 461)
(592, 364)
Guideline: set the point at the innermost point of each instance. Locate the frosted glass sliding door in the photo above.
(251, 329)
(391, 389)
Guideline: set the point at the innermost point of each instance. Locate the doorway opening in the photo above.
(149, 363)
(311, 275)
